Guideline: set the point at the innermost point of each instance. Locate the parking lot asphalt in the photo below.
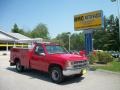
(10, 79)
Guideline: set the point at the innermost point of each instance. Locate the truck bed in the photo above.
(22, 54)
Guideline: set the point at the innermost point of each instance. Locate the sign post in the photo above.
(88, 22)
(88, 41)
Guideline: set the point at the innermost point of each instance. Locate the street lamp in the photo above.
(118, 3)
(69, 42)
(69, 34)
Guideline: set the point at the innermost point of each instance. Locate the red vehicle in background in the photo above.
(82, 53)
(74, 52)
(50, 58)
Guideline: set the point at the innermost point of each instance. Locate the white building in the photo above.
(9, 40)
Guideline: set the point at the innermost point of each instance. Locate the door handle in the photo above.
(35, 58)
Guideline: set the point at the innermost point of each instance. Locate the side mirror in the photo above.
(42, 54)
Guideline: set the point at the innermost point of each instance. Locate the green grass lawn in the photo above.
(112, 66)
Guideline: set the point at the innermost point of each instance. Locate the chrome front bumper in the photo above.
(77, 67)
(69, 72)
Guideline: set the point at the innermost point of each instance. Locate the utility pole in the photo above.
(69, 34)
(69, 42)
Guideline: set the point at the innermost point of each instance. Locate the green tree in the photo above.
(15, 28)
(107, 39)
(115, 44)
(40, 31)
(101, 40)
(76, 40)
(63, 39)
(27, 33)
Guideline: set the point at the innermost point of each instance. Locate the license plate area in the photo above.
(84, 71)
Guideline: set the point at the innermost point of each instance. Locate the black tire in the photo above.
(19, 67)
(56, 75)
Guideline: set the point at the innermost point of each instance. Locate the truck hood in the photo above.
(70, 57)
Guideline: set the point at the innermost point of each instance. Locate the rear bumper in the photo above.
(70, 72)
(11, 63)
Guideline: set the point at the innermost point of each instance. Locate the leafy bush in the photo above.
(92, 58)
(119, 59)
(100, 57)
(104, 57)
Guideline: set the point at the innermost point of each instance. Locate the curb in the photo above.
(101, 70)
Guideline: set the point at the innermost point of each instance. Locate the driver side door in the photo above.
(38, 58)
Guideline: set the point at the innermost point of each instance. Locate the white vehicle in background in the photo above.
(115, 54)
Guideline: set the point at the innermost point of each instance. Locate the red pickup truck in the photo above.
(51, 58)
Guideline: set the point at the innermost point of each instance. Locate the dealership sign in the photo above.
(91, 20)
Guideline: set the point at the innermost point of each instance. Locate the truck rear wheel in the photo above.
(19, 68)
(56, 74)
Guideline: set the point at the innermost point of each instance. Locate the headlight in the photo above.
(69, 64)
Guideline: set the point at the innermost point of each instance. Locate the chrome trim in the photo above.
(70, 72)
(75, 68)
(73, 71)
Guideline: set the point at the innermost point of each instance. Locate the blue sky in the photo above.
(58, 15)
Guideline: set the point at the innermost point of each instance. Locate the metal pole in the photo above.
(22, 45)
(14, 44)
(69, 42)
(92, 44)
(118, 2)
(7, 47)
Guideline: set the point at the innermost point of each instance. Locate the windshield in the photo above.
(52, 49)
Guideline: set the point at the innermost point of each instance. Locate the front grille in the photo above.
(79, 64)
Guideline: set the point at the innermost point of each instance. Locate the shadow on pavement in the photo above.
(45, 76)
(72, 79)
(92, 69)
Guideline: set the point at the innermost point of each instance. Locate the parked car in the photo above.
(115, 54)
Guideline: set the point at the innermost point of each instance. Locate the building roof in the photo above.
(18, 36)
(4, 36)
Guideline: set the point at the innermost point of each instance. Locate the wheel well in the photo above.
(54, 65)
(16, 60)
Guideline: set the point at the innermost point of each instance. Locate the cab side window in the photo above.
(39, 50)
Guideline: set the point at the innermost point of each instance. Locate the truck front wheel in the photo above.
(56, 74)
(19, 68)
